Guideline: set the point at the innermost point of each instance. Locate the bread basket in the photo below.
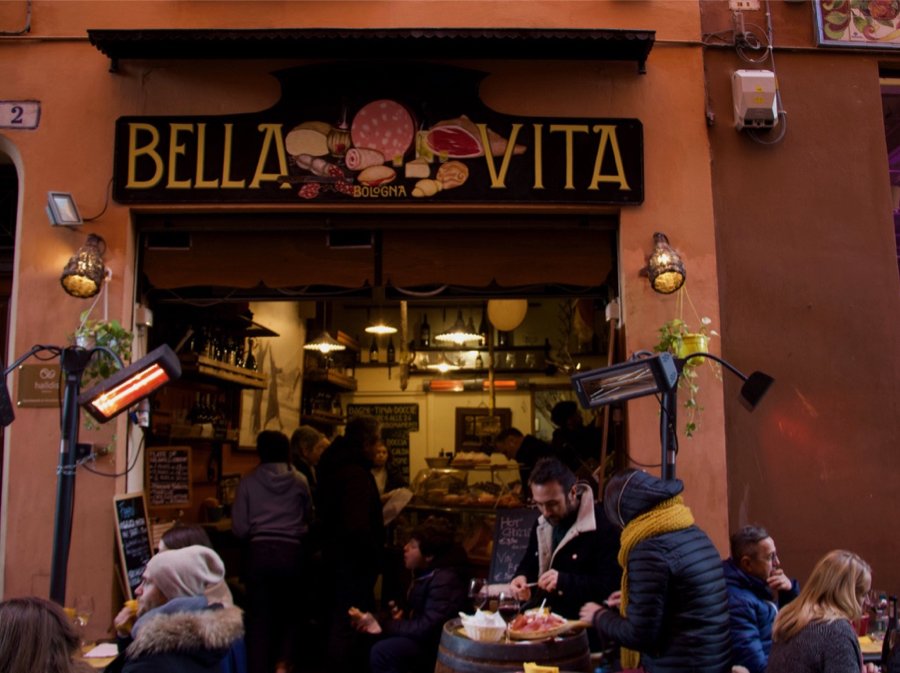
(490, 634)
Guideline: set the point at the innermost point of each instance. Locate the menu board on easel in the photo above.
(169, 476)
(133, 537)
(511, 533)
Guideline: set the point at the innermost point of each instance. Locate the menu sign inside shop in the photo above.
(380, 133)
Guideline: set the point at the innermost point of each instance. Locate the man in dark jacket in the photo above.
(755, 582)
(353, 532)
(572, 548)
(526, 450)
(408, 638)
(673, 607)
(177, 630)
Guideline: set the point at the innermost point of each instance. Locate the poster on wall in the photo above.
(873, 24)
(277, 406)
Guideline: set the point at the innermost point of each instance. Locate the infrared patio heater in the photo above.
(647, 373)
(121, 391)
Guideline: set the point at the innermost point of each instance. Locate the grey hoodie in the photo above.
(272, 503)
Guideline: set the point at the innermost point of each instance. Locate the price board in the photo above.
(133, 537)
(169, 476)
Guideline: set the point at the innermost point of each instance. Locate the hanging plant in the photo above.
(679, 339)
(109, 334)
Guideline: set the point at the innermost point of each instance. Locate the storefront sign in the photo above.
(373, 133)
(38, 386)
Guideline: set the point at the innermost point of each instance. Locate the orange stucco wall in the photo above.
(810, 293)
(72, 151)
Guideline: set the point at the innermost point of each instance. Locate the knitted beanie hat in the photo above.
(188, 571)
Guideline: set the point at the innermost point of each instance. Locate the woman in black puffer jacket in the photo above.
(674, 605)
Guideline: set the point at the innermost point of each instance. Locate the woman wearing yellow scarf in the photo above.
(671, 615)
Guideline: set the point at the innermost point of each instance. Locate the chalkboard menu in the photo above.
(133, 536)
(397, 442)
(391, 415)
(169, 476)
(511, 532)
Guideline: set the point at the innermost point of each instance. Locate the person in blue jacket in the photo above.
(407, 639)
(757, 588)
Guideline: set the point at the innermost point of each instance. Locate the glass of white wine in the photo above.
(84, 609)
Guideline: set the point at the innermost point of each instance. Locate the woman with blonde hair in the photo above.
(814, 634)
(36, 635)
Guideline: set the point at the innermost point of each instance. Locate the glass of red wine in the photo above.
(478, 593)
(508, 607)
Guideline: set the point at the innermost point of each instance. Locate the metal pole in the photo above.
(668, 422)
(73, 361)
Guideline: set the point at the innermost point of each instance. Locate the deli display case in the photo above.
(469, 495)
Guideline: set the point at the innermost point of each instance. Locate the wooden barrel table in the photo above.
(459, 654)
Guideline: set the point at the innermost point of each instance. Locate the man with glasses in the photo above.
(572, 550)
(757, 587)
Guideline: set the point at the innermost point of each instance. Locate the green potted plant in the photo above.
(109, 334)
(677, 338)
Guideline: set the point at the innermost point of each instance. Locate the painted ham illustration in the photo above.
(384, 126)
(460, 139)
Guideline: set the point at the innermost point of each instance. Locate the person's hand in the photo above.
(364, 621)
(123, 621)
(871, 668)
(615, 599)
(778, 581)
(519, 586)
(587, 612)
(396, 613)
(548, 580)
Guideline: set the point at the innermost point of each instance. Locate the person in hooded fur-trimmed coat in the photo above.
(177, 630)
(673, 609)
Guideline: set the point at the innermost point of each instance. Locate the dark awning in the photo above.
(386, 43)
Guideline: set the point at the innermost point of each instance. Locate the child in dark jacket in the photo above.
(408, 639)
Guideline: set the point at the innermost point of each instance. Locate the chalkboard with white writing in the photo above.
(511, 532)
(133, 536)
(169, 476)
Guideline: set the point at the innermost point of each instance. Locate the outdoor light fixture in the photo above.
(664, 267)
(459, 333)
(131, 384)
(658, 374)
(61, 210)
(83, 275)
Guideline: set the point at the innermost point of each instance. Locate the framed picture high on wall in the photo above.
(477, 426)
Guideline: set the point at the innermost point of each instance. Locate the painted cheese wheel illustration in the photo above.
(385, 126)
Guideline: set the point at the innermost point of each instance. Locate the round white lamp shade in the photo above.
(506, 314)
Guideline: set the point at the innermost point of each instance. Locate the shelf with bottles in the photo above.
(208, 367)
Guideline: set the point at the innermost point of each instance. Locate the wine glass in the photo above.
(508, 607)
(84, 609)
(478, 592)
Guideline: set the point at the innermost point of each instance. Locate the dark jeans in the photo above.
(352, 585)
(273, 578)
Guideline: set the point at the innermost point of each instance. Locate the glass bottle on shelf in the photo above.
(502, 339)
(250, 360)
(483, 326)
(479, 362)
(391, 353)
(425, 332)
(373, 351)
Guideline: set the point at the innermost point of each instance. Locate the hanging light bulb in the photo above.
(380, 326)
(459, 333)
(443, 365)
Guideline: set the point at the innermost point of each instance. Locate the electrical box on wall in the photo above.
(755, 100)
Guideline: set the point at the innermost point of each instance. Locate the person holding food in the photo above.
(407, 639)
(671, 614)
(572, 548)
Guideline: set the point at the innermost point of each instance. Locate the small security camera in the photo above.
(755, 99)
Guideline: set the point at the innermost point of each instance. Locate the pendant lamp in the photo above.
(458, 333)
(665, 267)
(324, 343)
(83, 276)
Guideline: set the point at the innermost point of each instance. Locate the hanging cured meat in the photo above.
(384, 126)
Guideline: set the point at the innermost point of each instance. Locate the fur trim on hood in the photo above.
(202, 630)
